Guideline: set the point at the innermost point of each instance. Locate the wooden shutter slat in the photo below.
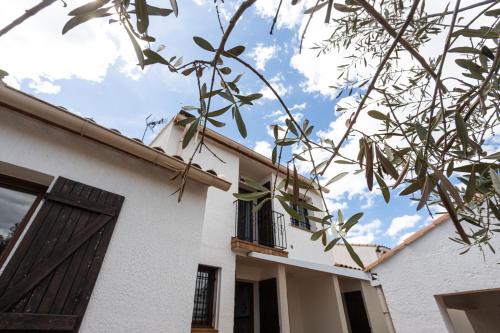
(55, 267)
(12, 295)
(29, 321)
(84, 204)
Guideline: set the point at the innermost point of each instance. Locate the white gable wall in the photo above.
(432, 266)
(146, 283)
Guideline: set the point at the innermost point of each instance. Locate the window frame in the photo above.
(21, 185)
(304, 224)
(211, 298)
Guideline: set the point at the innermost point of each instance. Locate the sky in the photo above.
(92, 72)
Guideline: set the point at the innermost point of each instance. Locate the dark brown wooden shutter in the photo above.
(48, 282)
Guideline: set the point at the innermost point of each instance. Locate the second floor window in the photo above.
(204, 297)
(303, 223)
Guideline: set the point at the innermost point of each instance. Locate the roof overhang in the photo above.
(33, 107)
(339, 271)
(241, 149)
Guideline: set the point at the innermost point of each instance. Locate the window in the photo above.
(303, 223)
(18, 200)
(204, 297)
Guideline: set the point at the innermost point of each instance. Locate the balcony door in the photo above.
(245, 219)
(265, 221)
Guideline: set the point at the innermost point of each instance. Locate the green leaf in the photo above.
(239, 122)
(487, 52)
(154, 58)
(225, 70)
(236, 51)
(331, 244)
(216, 123)
(137, 48)
(414, 186)
(464, 49)
(351, 222)
(337, 177)
(346, 9)
(461, 130)
(378, 115)
(89, 7)
(426, 191)
(184, 122)
(142, 16)
(190, 133)
(494, 156)
(255, 185)
(493, 12)
(77, 20)
(260, 204)
(290, 211)
(317, 234)
(219, 112)
(250, 196)
(175, 8)
(353, 254)
(471, 186)
(204, 44)
(383, 188)
(495, 180)
(479, 33)
(3, 74)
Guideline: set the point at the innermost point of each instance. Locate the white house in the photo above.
(94, 240)
(429, 287)
(268, 275)
(88, 206)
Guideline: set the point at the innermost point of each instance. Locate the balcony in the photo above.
(262, 231)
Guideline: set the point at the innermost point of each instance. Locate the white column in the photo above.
(340, 304)
(283, 299)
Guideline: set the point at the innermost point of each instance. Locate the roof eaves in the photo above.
(418, 234)
(33, 107)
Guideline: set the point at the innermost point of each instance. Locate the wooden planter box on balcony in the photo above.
(242, 246)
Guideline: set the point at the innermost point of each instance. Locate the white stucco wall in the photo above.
(146, 283)
(218, 226)
(432, 266)
(366, 253)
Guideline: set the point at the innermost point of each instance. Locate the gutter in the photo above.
(33, 107)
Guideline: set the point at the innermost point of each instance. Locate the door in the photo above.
(268, 306)
(243, 307)
(265, 221)
(356, 312)
(245, 219)
(48, 282)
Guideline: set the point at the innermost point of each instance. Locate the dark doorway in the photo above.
(265, 221)
(243, 307)
(245, 218)
(268, 304)
(356, 312)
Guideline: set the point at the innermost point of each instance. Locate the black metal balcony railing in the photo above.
(265, 227)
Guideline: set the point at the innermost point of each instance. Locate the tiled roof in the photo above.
(87, 127)
(420, 233)
(347, 266)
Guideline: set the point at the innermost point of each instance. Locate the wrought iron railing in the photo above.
(265, 226)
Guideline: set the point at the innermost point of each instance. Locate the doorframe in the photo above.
(252, 305)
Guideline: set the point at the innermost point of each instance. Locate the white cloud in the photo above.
(264, 148)
(363, 233)
(401, 223)
(277, 82)
(289, 16)
(300, 106)
(44, 86)
(274, 114)
(262, 54)
(405, 236)
(40, 55)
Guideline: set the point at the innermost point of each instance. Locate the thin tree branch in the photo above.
(27, 14)
(383, 22)
(373, 82)
(479, 4)
(275, 19)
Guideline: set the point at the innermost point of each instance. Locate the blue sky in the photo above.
(91, 71)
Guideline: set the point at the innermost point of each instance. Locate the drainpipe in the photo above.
(385, 309)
